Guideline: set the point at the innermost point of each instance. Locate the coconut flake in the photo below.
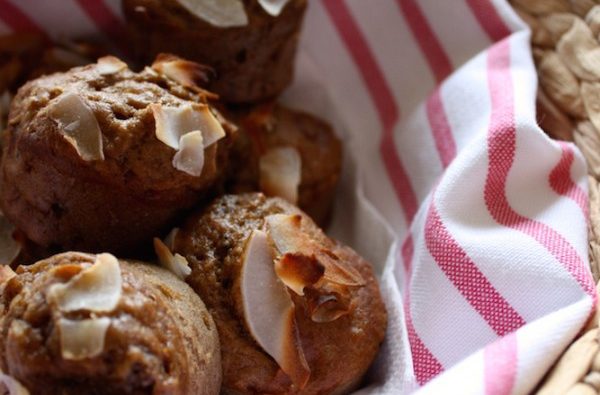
(310, 269)
(12, 386)
(176, 264)
(220, 13)
(170, 239)
(281, 173)
(110, 65)
(81, 339)
(273, 7)
(96, 288)
(189, 130)
(6, 273)
(78, 125)
(187, 73)
(285, 231)
(298, 271)
(269, 310)
(190, 157)
(174, 122)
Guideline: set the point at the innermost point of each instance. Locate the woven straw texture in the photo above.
(566, 50)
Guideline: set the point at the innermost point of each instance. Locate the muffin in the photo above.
(250, 44)
(90, 324)
(287, 153)
(101, 158)
(18, 54)
(282, 295)
(24, 56)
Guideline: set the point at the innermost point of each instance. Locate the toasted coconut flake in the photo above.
(81, 339)
(288, 238)
(187, 73)
(297, 271)
(326, 307)
(281, 173)
(273, 7)
(220, 13)
(269, 311)
(171, 123)
(78, 125)
(96, 288)
(311, 271)
(110, 65)
(189, 130)
(176, 264)
(6, 273)
(174, 122)
(190, 157)
(11, 385)
(170, 239)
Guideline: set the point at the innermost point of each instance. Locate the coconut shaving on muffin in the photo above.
(103, 158)
(282, 294)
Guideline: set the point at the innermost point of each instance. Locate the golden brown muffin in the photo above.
(101, 158)
(272, 129)
(85, 324)
(251, 50)
(24, 56)
(336, 326)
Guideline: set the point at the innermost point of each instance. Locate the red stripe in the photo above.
(17, 20)
(561, 182)
(382, 97)
(501, 152)
(500, 365)
(425, 364)
(408, 250)
(440, 127)
(109, 23)
(467, 278)
(438, 60)
(488, 18)
(440, 65)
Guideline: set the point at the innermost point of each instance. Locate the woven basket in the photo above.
(566, 50)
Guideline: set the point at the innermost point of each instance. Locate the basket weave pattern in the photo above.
(565, 41)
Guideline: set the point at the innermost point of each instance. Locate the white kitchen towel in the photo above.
(474, 218)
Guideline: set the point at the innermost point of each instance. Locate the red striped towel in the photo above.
(475, 219)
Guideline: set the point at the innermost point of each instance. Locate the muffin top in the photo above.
(270, 131)
(109, 123)
(80, 323)
(225, 14)
(217, 243)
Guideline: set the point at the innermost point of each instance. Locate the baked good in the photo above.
(90, 324)
(283, 296)
(287, 153)
(18, 54)
(24, 56)
(249, 43)
(101, 158)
